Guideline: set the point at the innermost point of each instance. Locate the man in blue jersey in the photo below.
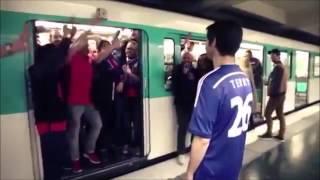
(221, 111)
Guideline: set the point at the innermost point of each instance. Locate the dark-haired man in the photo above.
(222, 109)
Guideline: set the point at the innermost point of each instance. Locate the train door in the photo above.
(34, 138)
(118, 97)
(301, 76)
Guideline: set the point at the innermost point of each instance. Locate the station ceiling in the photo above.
(294, 19)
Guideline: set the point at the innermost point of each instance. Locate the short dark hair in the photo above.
(228, 35)
(249, 51)
(274, 51)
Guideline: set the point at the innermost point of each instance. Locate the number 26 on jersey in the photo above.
(241, 122)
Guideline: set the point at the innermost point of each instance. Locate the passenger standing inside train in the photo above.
(49, 62)
(256, 69)
(222, 109)
(277, 87)
(80, 101)
(103, 94)
(119, 99)
(204, 65)
(184, 85)
(130, 86)
(50, 108)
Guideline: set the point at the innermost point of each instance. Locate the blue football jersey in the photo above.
(221, 113)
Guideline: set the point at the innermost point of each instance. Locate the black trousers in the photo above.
(54, 154)
(183, 117)
(132, 122)
(107, 137)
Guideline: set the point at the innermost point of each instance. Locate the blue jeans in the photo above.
(73, 129)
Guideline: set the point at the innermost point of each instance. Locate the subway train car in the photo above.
(25, 150)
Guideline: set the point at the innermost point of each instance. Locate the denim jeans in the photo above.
(73, 129)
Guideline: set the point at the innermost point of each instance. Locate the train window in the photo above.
(168, 53)
(195, 47)
(302, 63)
(112, 96)
(316, 66)
(257, 51)
(286, 61)
(302, 74)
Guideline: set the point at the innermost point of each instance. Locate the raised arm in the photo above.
(17, 46)
(115, 44)
(80, 43)
(107, 51)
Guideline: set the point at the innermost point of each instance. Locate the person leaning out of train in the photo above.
(257, 69)
(277, 88)
(80, 102)
(184, 85)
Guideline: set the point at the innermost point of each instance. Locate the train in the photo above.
(162, 35)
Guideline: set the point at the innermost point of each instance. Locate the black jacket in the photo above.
(184, 86)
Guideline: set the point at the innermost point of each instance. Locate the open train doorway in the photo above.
(88, 97)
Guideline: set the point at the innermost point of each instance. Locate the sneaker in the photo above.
(280, 138)
(181, 160)
(76, 166)
(92, 157)
(265, 135)
(125, 150)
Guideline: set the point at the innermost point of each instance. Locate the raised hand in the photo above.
(116, 43)
(21, 42)
(66, 30)
(73, 31)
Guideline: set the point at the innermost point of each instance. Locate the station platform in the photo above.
(298, 157)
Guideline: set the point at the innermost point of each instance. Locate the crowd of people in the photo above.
(103, 93)
(98, 93)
